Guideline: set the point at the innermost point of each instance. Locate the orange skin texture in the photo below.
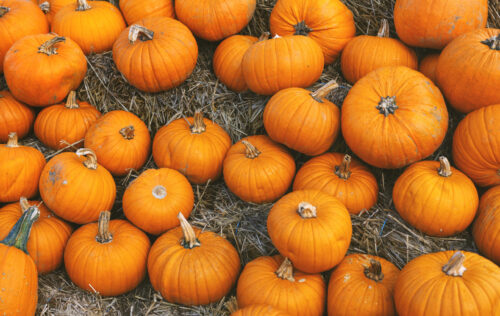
(135, 10)
(428, 66)
(156, 213)
(259, 284)
(267, 64)
(196, 276)
(116, 153)
(351, 292)
(423, 288)
(24, 18)
(226, 17)
(331, 23)
(74, 192)
(259, 310)
(14, 117)
(227, 61)
(468, 71)
(476, 146)
(262, 179)
(433, 24)
(112, 268)
(486, 228)
(48, 236)
(149, 65)
(415, 129)
(294, 118)
(26, 70)
(55, 6)
(358, 192)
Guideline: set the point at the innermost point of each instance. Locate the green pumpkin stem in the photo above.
(71, 101)
(91, 161)
(301, 28)
(264, 36)
(455, 266)
(250, 152)
(19, 234)
(384, 29)
(374, 271)
(140, 32)
(343, 171)
(82, 5)
(445, 168)
(198, 126)
(307, 210)
(322, 92)
(189, 241)
(285, 271)
(104, 236)
(4, 10)
(387, 105)
(12, 140)
(45, 7)
(232, 305)
(48, 48)
(128, 132)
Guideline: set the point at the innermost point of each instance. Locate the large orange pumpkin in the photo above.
(486, 228)
(428, 66)
(51, 7)
(258, 310)
(135, 10)
(14, 117)
(389, 123)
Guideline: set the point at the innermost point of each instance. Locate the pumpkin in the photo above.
(258, 170)
(51, 7)
(19, 281)
(61, 125)
(120, 140)
(186, 258)
(340, 176)
(214, 20)
(300, 64)
(369, 276)
(17, 20)
(329, 22)
(448, 283)
(76, 188)
(486, 228)
(48, 236)
(42, 69)
(389, 123)
(433, 24)
(20, 167)
(428, 66)
(476, 146)
(273, 281)
(467, 70)
(200, 154)
(135, 10)
(14, 117)
(94, 25)
(253, 310)
(311, 228)
(108, 257)
(153, 200)
(366, 53)
(165, 40)
(227, 61)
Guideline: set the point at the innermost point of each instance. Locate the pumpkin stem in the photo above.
(455, 266)
(301, 28)
(493, 43)
(264, 36)
(383, 31)
(71, 101)
(48, 47)
(342, 171)
(322, 92)
(12, 140)
(91, 161)
(45, 7)
(159, 192)
(374, 271)
(285, 271)
(23, 202)
(137, 31)
(251, 152)
(307, 210)
(387, 105)
(4, 10)
(103, 234)
(189, 241)
(198, 126)
(445, 168)
(128, 132)
(82, 5)
(19, 234)
(232, 305)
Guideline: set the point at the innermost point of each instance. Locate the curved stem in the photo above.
(251, 152)
(198, 126)
(384, 29)
(48, 47)
(387, 105)
(82, 5)
(264, 36)
(137, 31)
(128, 132)
(343, 171)
(445, 168)
(20, 233)
(322, 92)
(189, 241)
(12, 140)
(23, 202)
(374, 271)
(71, 101)
(4, 10)
(45, 7)
(455, 266)
(104, 236)
(301, 28)
(307, 210)
(285, 271)
(91, 161)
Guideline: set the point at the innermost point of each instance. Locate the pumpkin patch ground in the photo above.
(380, 231)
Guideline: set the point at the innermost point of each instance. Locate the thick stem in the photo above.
(159, 192)
(493, 43)
(45, 7)
(301, 28)
(49, 48)
(251, 152)
(91, 161)
(12, 140)
(82, 5)
(445, 168)
(128, 132)
(307, 210)
(189, 241)
(285, 271)
(4, 10)
(19, 234)
(387, 105)
(264, 36)
(232, 305)
(383, 31)
(343, 171)
(198, 126)
(139, 32)
(374, 271)
(455, 266)
(104, 236)
(71, 101)
(322, 92)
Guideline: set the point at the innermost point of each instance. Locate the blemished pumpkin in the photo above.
(62, 125)
(20, 167)
(273, 281)
(258, 170)
(135, 10)
(48, 237)
(14, 117)
(51, 7)
(166, 40)
(359, 274)
(389, 123)
(486, 228)
(200, 154)
(187, 258)
(366, 53)
(302, 120)
(476, 146)
(340, 176)
(214, 20)
(433, 24)
(108, 257)
(76, 188)
(428, 66)
(467, 70)
(300, 64)
(153, 200)
(448, 283)
(42, 69)
(329, 22)
(120, 140)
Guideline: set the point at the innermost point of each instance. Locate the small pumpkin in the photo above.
(135, 10)
(120, 140)
(200, 154)
(486, 228)
(51, 7)
(428, 66)
(187, 258)
(258, 170)
(14, 117)
(108, 257)
(339, 175)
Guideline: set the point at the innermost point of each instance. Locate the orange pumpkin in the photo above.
(51, 7)
(258, 310)
(186, 258)
(258, 170)
(329, 22)
(389, 123)
(76, 188)
(486, 228)
(14, 117)
(428, 66)
(120, 140)
(339, 175)
(108, 257)
(165, 40)
(135, 10)
(200, 154)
